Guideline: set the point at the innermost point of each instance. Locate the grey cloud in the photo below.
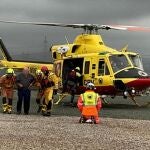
(84, 11)
(27, 38)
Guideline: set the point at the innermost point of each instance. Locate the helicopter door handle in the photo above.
(92, 75)
(100, 80)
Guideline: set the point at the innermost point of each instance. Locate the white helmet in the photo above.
(90, 85)
(77, 68)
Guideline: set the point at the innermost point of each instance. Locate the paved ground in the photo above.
(42, 133)
(123, 126)
(119, 108)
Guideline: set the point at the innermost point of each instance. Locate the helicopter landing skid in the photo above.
(105, 101)
(61, 97)
(137, 104)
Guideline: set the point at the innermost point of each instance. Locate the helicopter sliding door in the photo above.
(97, 71)
(90, 69)
(70, 64)
(87, 71)
(57, 68)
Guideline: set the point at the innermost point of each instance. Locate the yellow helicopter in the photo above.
(113, 72)
(17, 65)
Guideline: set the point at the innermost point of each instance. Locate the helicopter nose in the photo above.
(140, 84)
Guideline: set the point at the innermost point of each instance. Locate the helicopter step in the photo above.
(61, 96)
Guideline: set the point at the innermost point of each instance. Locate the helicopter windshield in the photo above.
(136, 61)
(118, 62)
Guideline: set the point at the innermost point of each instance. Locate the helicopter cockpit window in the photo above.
(118, 62)
(102, 68)
(136, 61)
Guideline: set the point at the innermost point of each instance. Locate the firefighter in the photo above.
(48, 84)
(89, 104)
(73, 82)
(7, 83)
(38, 80)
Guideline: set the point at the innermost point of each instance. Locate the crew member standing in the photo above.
(73, 82)
(38, 81)
(24, 82)
(7, 83)
(89, 104)
(48, 84)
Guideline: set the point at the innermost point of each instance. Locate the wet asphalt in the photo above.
(118, 108)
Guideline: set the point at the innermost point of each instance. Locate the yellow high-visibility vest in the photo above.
(89, 98)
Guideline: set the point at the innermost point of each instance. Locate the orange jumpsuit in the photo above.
(48, 84)
(38, 81)
(89, 104)
(7, 85)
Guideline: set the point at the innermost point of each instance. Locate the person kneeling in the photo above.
(89, 104)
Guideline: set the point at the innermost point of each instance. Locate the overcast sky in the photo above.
(30, 39)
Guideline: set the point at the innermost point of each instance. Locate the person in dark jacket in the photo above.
(24, 82)
(73, 82)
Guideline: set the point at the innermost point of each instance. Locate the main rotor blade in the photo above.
(128, 28)
(47, 24)
(90, 27)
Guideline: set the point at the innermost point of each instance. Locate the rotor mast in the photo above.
(90, 29)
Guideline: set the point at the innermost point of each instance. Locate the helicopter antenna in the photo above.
(45, 42)
(66, 39)
(124, 49)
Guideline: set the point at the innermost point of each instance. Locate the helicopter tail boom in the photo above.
(5, 54)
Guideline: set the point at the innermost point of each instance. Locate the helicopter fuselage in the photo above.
(111, 71)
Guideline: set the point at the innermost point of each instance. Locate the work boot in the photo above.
(44, 108)
(18, 112)
(39, 109)
(9, 109)
(38, 101)
(82, 120)
(93, 120)
(48, 113)
(4, 106)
